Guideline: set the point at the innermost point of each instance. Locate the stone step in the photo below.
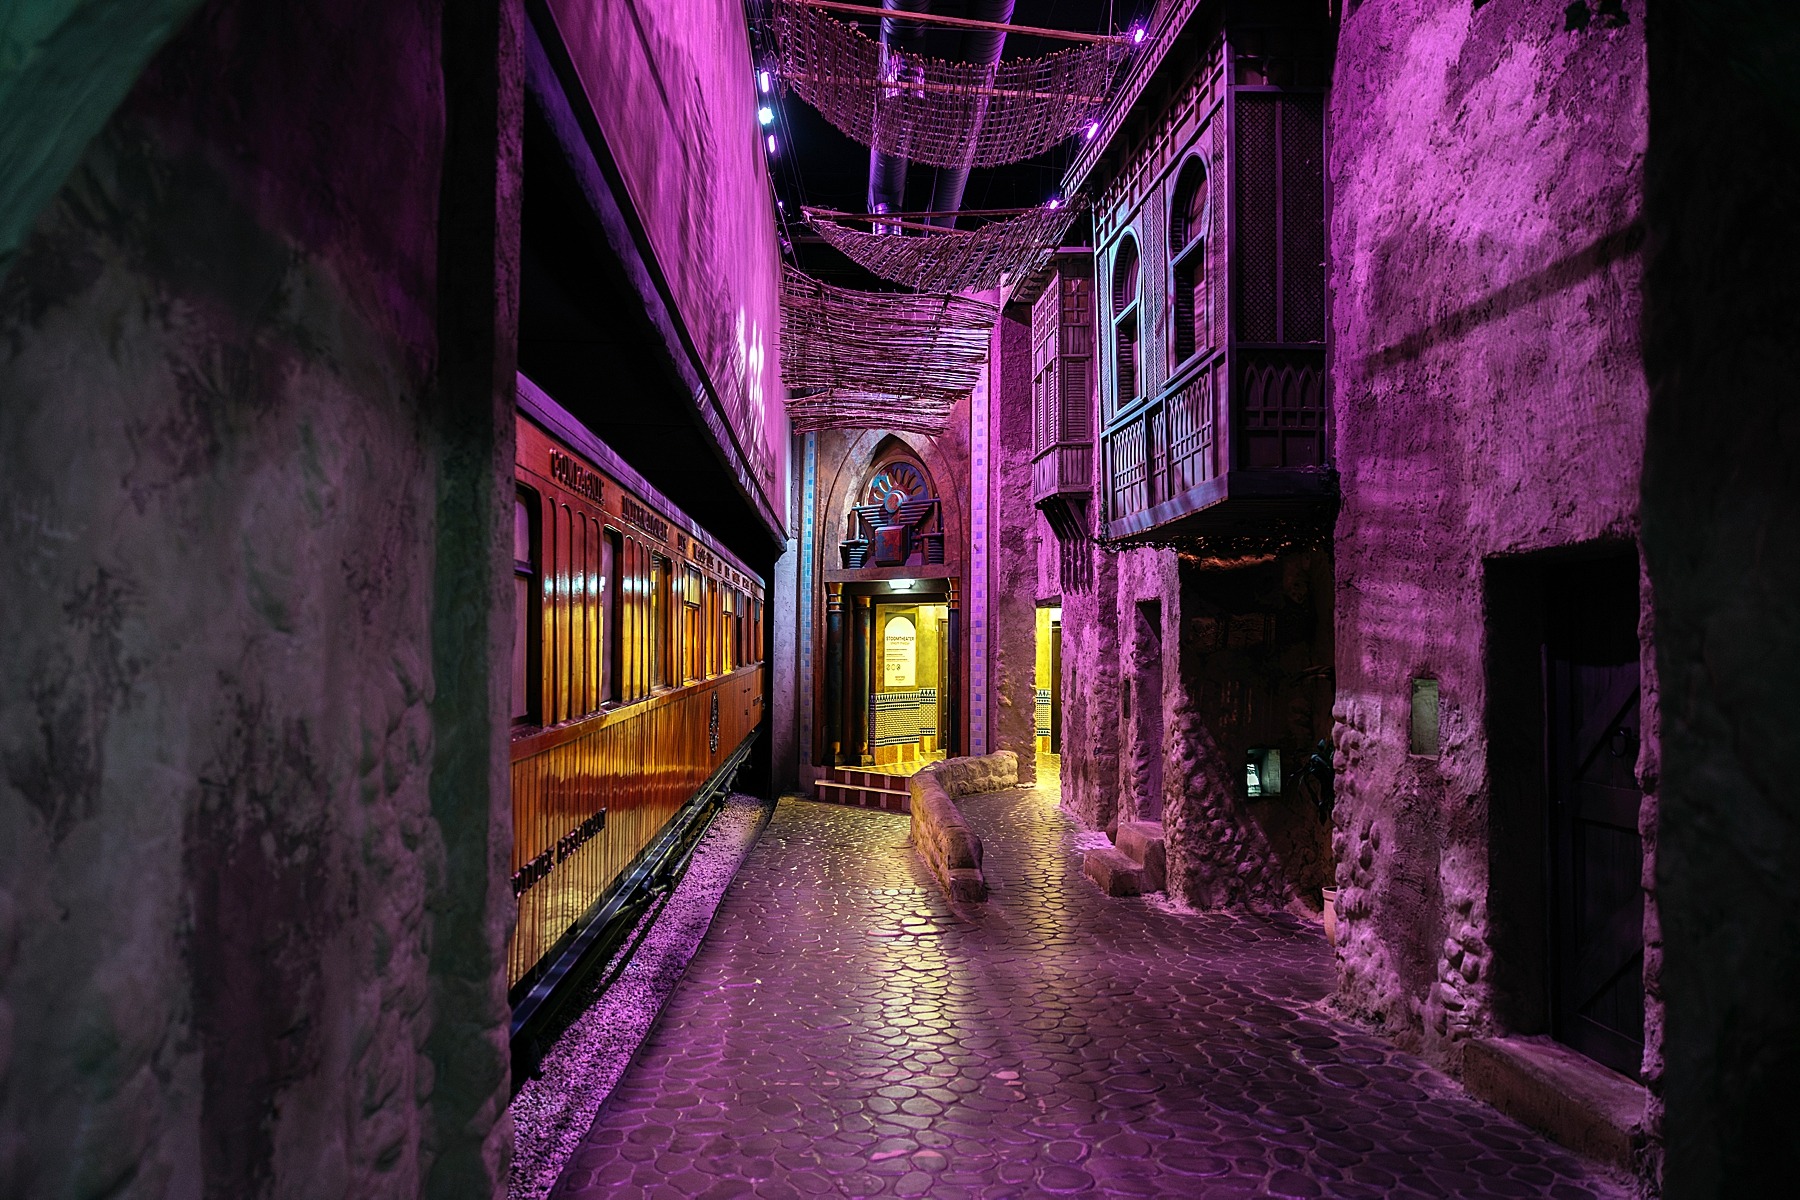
(832, 792)
(1116, 874)
(864, 778)
(1142, 842)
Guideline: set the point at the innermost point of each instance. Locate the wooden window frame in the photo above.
(1188, 239)
(1127, 327)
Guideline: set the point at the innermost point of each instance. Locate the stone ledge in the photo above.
(1142, 842)
(1551, 1088)
(1115, 874)
(939, 834)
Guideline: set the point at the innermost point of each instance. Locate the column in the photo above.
(834, 672)
(950, 689)
(863, 645)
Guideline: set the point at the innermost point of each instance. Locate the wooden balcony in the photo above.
(1223, 453)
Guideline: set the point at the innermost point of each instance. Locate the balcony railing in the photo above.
(1193, 448)
(1062, 470)
(1166, 449)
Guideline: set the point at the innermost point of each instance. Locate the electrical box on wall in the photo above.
(1262, 773)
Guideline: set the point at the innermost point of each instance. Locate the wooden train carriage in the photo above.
(637, 673)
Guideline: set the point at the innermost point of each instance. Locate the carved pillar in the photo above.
(861, 678)
(834, 672)
(951, 697)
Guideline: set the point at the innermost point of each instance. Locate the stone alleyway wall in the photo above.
(255, 448)
(1486, 162)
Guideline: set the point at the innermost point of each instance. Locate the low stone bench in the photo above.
(940, 836)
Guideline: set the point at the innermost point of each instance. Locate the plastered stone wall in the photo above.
(1486, 165)
(1721, 503)
(253, 809)
(1090, 687)
(1012, 615)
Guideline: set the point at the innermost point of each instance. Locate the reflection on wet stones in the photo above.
(843, 1032)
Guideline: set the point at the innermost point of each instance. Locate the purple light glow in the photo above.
(1092, 129)
(1137, 34)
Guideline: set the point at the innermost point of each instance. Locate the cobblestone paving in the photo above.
(843, 1032)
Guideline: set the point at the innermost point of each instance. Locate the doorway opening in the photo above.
(1564, 854)
(909, 651)
(1144, 688)
(1049, 690)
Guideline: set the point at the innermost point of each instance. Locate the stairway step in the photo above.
(1116, 874)
(1142, 842)
(863, 778)
(833, 792)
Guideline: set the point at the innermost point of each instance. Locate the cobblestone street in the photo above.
(842, 1031)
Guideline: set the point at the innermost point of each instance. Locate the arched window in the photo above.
(1187, 253)
(1125, 323)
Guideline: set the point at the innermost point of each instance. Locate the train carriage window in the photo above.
(611, 635)
(524, 571)
(659, 621)
(729, 627)
(693, 655)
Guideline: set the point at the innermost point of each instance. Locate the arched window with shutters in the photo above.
(1187, 255)
(1126, 373)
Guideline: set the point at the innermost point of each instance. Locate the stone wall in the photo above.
(1721, 510)
(1013, 552)
(1486, 164)
(255, 452)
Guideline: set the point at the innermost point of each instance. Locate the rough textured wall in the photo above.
(1722, 540)
(1255, 652)
(1013, 561)
(252, 801)
(1486, 166)
(1090, 689)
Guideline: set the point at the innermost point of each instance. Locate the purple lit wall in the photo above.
(1490, 403)
(673, 89)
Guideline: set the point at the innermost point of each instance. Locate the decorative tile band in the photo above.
(808, 485)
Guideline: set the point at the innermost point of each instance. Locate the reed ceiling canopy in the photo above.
(932, 258)
(944, 114)
(867, 360)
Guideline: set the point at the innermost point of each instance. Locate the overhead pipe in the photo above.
(983, 47)
(887, 172)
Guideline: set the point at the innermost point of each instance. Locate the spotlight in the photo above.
(765, 116)
(771, 143)
(1092, 129)
(1055, 203)
(1137, 34)
(763, 81)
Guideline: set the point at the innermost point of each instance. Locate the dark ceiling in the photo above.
(816, 165)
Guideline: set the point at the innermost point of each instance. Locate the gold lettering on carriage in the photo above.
(577, 478)
(643, 518)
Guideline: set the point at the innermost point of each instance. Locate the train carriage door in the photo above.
(610, 633)
(524, 608)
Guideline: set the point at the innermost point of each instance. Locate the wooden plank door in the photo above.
(1597, 904)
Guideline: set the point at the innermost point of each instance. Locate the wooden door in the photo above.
(1597, 901)
(1056, 713)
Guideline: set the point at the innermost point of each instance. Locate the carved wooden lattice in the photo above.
(868, 360)
(947, 114)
